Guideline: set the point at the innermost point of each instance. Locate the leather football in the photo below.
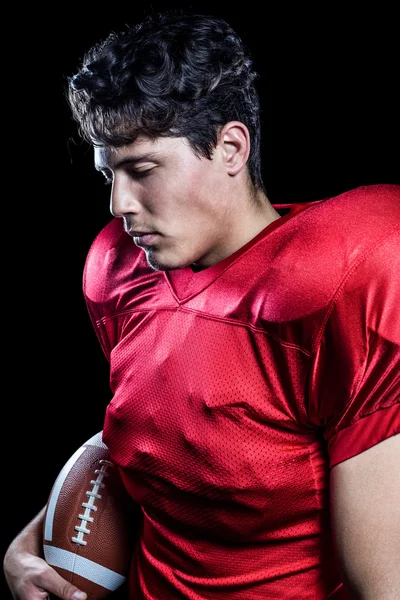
(88, 526)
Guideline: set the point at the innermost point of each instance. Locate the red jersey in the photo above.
(238, 387)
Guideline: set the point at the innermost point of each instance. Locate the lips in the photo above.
(142, 238)
(137, 233)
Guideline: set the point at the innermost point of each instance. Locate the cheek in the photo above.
(190, 194)
(199, 191)
(179, 195)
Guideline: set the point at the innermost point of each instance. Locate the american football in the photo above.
(87, 530)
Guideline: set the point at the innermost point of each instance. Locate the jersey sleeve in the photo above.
(99, 282)
(355, 382)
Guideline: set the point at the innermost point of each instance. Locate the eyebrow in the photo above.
(127, 160)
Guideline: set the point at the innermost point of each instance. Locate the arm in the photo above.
(365, 508)
(28, 576)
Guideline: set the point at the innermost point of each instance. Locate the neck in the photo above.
(247, 221)
(260, 215)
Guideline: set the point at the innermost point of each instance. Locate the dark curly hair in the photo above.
(174, 74)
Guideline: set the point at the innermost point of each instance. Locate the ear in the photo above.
(234, 140)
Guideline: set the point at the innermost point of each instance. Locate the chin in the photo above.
(160, 263)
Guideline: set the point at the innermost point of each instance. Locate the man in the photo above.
(253, 348)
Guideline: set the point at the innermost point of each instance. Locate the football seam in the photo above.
(93, 494)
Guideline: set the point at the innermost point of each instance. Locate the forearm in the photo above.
(28, 575)
(19, 559)
(30, 537)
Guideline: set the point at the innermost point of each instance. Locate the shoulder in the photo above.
(354, 387)
(360, 215)
(363, 227)
(376, 196)
(111, 260)
(314, 252)
(112, 235)
(338, 234)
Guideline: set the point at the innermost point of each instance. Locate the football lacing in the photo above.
(89, 506)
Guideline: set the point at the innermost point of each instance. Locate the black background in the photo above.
(328, 82)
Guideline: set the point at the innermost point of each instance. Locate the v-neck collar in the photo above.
(186, 283)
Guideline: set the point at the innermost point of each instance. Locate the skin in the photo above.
(28, 576)
(365, 508)
(198, 212)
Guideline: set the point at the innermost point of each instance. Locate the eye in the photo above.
(140, 174)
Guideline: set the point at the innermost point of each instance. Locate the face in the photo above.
(175, 205)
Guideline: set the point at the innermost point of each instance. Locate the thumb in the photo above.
(77, 594)
(66, 591)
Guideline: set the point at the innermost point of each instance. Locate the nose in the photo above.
(123, 199)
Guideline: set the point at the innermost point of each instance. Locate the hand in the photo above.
(29, 577)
